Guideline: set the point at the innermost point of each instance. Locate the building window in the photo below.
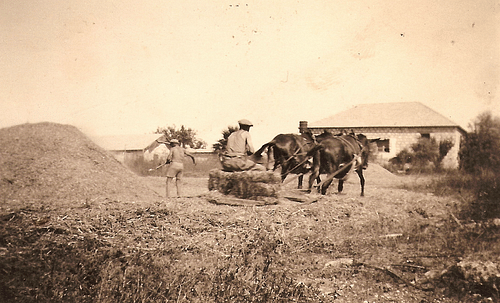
(426, 136)
(383, 146)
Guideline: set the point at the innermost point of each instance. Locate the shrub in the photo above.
(402, 157)
(425, 155)
(480, 193)
(486, 202)
(480, 149)
(480, 158)
(400, 163)
(425, 151)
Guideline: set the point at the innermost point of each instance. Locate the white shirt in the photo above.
(239, 143)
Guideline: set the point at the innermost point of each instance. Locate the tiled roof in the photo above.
(403, 114)
(125, 142)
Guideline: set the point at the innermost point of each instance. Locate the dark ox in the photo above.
(336, 156)
(290, 152)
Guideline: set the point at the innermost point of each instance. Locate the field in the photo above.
(75, 225)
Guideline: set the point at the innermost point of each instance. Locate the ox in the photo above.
(336, 156)
(290, 152)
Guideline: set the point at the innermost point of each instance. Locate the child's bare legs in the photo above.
(168, 182)
(178, 185)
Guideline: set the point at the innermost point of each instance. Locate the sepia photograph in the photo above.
(258, 151)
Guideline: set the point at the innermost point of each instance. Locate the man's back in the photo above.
(239, 142)
(177, 154)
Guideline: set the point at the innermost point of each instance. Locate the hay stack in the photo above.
(57, 165)
(254, 185)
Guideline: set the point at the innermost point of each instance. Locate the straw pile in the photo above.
(56, 165)
(254, 185)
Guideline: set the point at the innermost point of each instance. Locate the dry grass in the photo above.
(247, 185)
(105, 235)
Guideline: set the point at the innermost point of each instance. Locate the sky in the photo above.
(129, 67)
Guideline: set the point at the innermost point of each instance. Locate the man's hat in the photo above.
(245, 122)
(174, 141)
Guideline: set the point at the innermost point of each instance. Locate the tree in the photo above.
(221, 144)
(425, 150)
(480, 149)
(480, 158)
(186, 136)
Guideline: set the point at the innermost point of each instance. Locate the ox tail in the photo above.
(259, 152)
(269, 146)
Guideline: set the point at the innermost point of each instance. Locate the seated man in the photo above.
(239, 147)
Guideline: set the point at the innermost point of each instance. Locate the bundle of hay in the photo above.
(254, 185)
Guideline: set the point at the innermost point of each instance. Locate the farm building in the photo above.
(397, 125)
(128, 147)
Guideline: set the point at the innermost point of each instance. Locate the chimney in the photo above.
(302, 126)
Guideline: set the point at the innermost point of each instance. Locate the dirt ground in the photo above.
(75, 225)
(330, 236)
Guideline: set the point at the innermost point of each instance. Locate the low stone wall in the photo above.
(255, 185)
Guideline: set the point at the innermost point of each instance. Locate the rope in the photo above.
(297, 153)
(332, 176)
(293, 156)
(350, 144)
(293, 178)
(300, 164)
(337, 172)
(356, 157)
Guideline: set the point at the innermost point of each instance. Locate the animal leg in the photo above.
(312, 177)
(341, 185)
(362, 181)
(325, 186)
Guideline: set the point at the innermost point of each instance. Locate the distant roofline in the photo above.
(120, 143)
(393, 126)
(392, 114)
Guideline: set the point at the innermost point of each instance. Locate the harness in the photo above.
(298, 153)
(356, 158)
(360, 146)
